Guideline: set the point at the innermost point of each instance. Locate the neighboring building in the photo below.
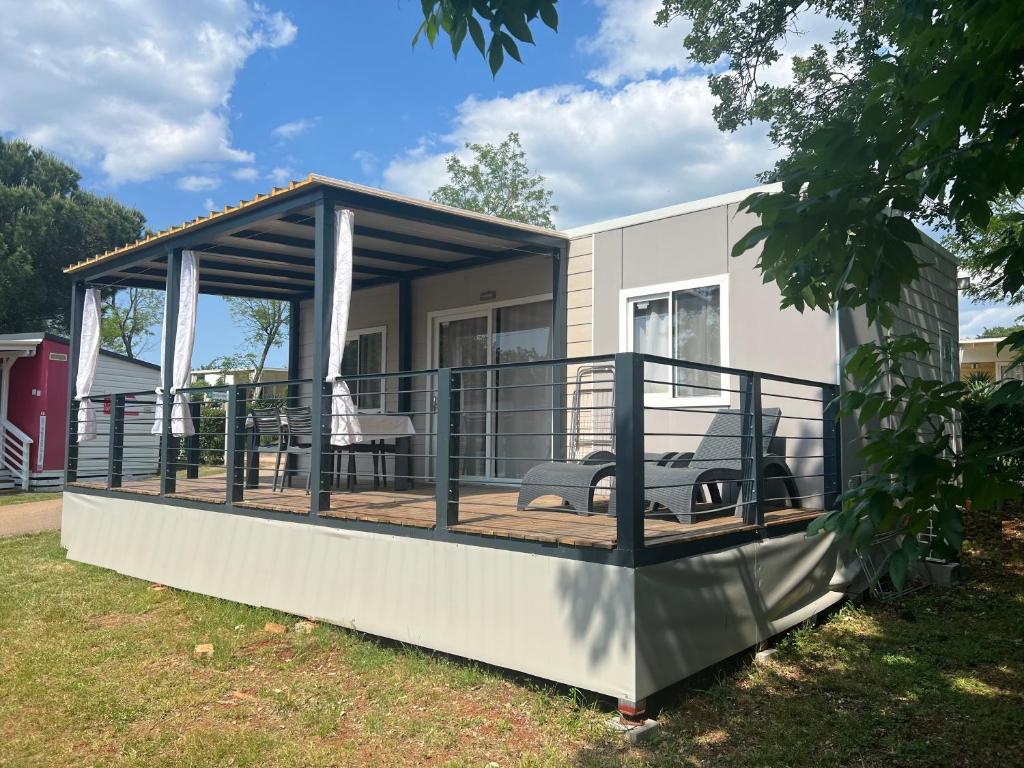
(213, 377)
(221, 377)
(33, 411)
(482, 350)
(982, 356)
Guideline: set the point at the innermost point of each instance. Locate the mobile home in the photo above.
(34, 409)
(588, 455)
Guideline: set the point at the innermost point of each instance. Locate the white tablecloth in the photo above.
(374, 426)
(382, 426)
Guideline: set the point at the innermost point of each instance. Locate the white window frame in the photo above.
(627, 296)
(353, 335)
(949, 362)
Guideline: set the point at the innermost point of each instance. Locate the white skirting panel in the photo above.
(553, 617)
(613, 630)
(695, 612)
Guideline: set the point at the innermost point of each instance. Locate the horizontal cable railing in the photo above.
(618, 451)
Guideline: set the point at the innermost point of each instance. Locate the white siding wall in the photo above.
(141, 449)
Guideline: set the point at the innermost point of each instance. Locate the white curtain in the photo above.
(88, 353)
(345, 428)
(184, 338)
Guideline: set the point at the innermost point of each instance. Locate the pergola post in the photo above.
(168, 443)
(292, 394)
(74, 347)
(323, 272)
(629, 453)
(559, 349)
(403, 445)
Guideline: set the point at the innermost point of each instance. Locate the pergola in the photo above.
(281, 246)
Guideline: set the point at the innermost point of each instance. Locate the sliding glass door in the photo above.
(522, 407)
(506, 418)
(460, 342)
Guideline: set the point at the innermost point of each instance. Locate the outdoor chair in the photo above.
(592, 425)
(673, 486)
(671, 481)
(298, 439)
(270, 437)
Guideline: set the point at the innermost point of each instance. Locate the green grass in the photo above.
(20, 497)
(205, 471)
(97, 669)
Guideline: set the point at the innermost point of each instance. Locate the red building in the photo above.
(33, 405)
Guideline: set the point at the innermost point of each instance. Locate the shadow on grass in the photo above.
(937, 679)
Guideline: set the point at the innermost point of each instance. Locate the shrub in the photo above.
(995, 430)
(211, 434)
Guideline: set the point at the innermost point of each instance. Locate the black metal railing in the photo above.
(629, 451)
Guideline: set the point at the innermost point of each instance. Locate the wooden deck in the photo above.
(483, 510)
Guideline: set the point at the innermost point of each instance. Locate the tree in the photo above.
(911, 113)
(129, 316)
(999, 331)
(973, 244)
(46, 223)
(912, 116)
(497, 183)
(264, 322)
(508, 21)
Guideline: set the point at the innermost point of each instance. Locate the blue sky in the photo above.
(174, 107)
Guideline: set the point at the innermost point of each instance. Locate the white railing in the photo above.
(15, 451)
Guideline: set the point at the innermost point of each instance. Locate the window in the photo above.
(949, 365)
(1011, 371)
(364, 354)
(684, 321)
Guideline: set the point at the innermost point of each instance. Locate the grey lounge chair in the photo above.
(575, 483)
(591, 435)
(716, 460)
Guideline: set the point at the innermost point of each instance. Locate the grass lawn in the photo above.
(205, 471)
(98, 669)
(20, 497)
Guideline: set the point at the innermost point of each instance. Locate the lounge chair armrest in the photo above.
(681, 459)
(598, 457)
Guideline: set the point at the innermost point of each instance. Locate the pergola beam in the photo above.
(211, 271)
(192, 238)
(119, 281)
(407, 239)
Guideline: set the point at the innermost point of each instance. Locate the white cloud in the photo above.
(640, 136)
(247, 173)
(287, 131)
(368, 161)
(974, 318)
(136, 89)
(209, 205)
(198, 183)
(281, 176)
(631, 45)
(604, 152)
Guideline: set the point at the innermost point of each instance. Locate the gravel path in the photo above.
(32, 517)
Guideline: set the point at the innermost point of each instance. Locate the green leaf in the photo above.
(495, 55)
(903, 228)
(517, 25)
(458, 36)
(898, 568)
(752, 238)
(549, 15)
(510, 45)
(477, 33)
